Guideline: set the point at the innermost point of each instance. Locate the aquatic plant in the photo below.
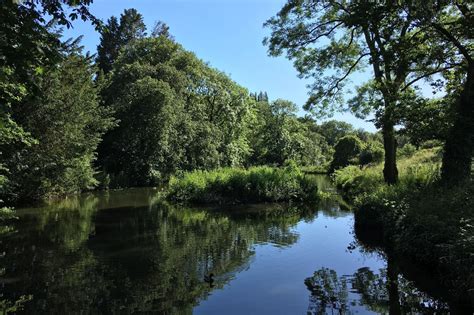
(235, 185)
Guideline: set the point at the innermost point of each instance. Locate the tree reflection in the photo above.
(328, 292)
(98, 255)
(385, 292)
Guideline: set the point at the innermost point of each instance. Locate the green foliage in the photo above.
(7, 215)
(417, 213)
(346, 151)
(428, 223)
(256, 184)
(418, 170)
(407, 150)
(372, 152)
(427, 120)
(441, 216)
(280, 136)
(334, 130)
(67, 124)
(116, 34)
(9, 307)
(191, 116)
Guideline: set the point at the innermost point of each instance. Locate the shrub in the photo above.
(406, 151)
(372, 152)
(346, 150)
(431, 144)
(233, 185)
(355, 181)
(417, 218)
(438, 229)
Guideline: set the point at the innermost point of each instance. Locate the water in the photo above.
(125, 252)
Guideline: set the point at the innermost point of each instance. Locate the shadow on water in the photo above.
(127, 252)
(124, 251)
(424, 293)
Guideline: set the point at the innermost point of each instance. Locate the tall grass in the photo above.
(233, 185)
(417, 171)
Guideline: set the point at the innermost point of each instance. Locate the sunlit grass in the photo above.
(236, 185)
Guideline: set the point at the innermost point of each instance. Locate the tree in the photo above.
(279, 136)
(450, 25)
(11, 134)
(67, 124)
(372, 152)
(28, 47)
(116, 34)
(161, 29)
(352, 32)
(190, 116)
(346, 151)
(333, 130)
(427, 120)
(262, 97)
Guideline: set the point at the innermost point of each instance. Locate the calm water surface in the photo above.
(126, 252)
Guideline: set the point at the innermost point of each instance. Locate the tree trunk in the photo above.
(390, 172)
(392, 287)
(458, 149)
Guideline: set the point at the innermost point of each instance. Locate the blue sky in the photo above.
(226, 33)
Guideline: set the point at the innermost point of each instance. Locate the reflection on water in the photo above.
(385, 292)
(125, 252)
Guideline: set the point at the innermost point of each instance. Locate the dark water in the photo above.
(125, 252)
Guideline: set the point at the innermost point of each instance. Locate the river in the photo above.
(128, 252)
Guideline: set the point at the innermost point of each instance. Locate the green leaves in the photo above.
(175, 112)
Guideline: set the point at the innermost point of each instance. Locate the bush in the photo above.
(438, 229)
(406, 151)
(417, 218)
(354, 181)
(372, 152)
(346, 151)
(233, 185)
(431, 144)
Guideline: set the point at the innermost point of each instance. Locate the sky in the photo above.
(226, 33)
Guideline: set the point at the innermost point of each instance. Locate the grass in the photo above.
(315, 169)
(418, 218)
(235, 185)
(418, 170)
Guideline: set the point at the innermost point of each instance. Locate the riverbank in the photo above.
(417, 218)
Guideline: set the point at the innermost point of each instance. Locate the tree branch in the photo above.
(462, 49)
(321, 25)
(348, 72)
(428, 74)
(312, 40)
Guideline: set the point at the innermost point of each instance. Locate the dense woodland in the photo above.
(140, 110)
(143, 109)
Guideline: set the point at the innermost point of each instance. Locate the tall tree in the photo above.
(333, 130)
(161, 29)
(278, 136)
(27, 48)
(175, 112)
(67, 123)
(116, 34)
(329, 40)
(451, 26)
